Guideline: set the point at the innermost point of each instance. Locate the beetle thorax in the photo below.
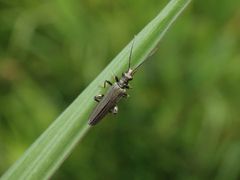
(126, 77)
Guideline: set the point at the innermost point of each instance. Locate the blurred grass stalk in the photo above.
(47, 153)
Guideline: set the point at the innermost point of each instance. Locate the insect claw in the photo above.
(125, 95)
(99, 97)
(114, 110)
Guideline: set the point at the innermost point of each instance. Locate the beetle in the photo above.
(108, 103)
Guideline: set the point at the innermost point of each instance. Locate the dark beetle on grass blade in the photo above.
(108, 102)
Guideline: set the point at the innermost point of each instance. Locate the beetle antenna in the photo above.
(130, 56)
(136, 68)
(149, 55)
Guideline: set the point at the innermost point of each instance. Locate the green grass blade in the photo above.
(47, 153)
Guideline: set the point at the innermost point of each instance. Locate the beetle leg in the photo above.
(107, 82)
(125, 95)
(98, 98)
(128, 87)
(116, 79)
(114, 110)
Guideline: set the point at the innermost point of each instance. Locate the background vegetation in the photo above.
(182, 120)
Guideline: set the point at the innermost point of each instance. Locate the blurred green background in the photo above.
(182, 120)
